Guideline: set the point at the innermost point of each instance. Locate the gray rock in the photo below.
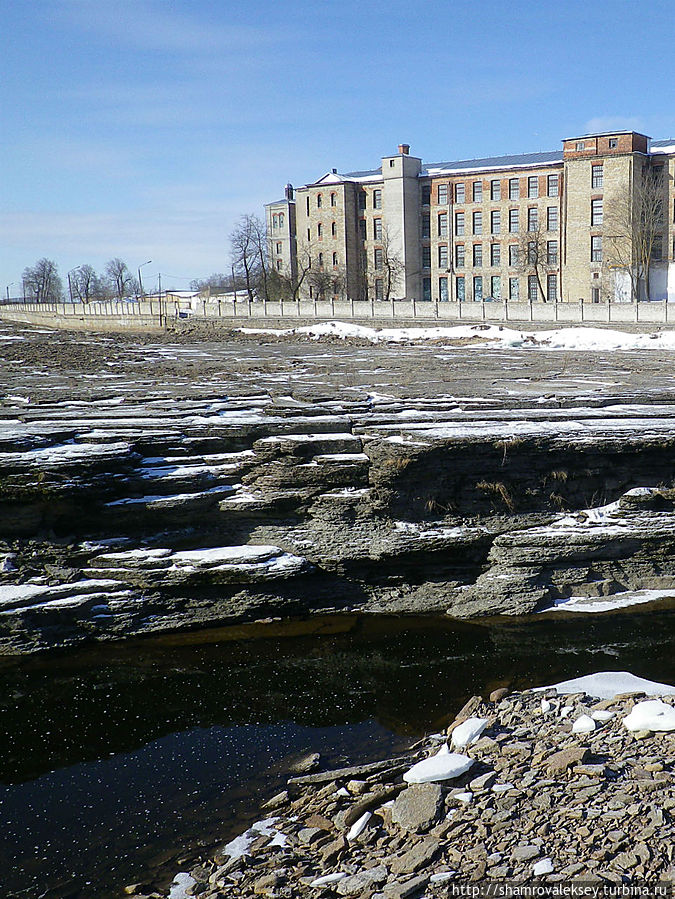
(362, 881)
(418, 807)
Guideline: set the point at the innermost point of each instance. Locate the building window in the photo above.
(533, 186)
(496, 287)
(443, 256)
(320, 260)
(443, 290)
(514, 189)
(362, 200)
(426, 224)
(551, 288)
(459, 255)
(495, 255)
(596, 176)
(426, 290)
(513, 255)
(333, 199)
(378, 258)
(478, 255)
(319, 201)
(309, 234)
(459, 193)
(552, 186)
(532, 252)
(362, 228)
(333, 229)
(379, 289)
(459, 223)
(478, 289)
(613, 143)
(478, 223)
(275, 221)
(532, 288)
(552, 252)
(495, 189)
(460, 289)
(319, 230)
(377, 199)
(657, 248)
(335, 258)
(513, 220)
(596, 212)
(426, 257)
(596, 248)
(532, 218)
(281, 220)
(580, 145)
(495, 221)
(442, 194)
(443, 224)
(278, 265)
(377, 229)
(307, 204)
(514, 288)
(426, 194)
(279, 248)
(551, 218)
(477, 191)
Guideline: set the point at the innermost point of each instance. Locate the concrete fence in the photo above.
(175, 313)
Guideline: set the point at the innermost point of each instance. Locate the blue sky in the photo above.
(144, 128)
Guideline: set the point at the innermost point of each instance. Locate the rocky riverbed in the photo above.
(568, 784)
(174, 482)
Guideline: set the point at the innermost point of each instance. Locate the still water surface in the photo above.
(118, 759)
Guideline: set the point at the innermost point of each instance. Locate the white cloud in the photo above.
(614, 123)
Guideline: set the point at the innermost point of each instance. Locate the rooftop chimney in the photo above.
(334, 171)
(289, 191)
(404, 149)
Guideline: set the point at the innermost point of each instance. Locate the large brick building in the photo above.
(593, 221)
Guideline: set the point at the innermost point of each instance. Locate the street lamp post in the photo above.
(11, 284)
(140, 282)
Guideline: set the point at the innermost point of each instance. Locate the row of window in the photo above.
(319, 201)
(278, 219)
(495, 190)
(320, 260)
(495, 287)
(533, 250)
(319, 230)
(496, 221)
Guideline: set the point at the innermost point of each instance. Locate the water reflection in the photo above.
(117, 757)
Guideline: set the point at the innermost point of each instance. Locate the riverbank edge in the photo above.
(543, 801)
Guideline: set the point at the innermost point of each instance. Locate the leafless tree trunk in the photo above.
(120, 278)
(533, 256)
(248, 244)
(42, 283)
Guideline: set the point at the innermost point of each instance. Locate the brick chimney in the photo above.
(404, 149)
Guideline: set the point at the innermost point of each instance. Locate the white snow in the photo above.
(488, 336)
(443, 766)
(651, 715)
(468, 731)
(239, 845)
(359, 826)
(583, 725)
(608, 603)
(442, 876)
(602, 715)
(16, 595)
(608, 684)
(543, 866)
(502, 788)
(466, 797)
(328, 879)
(180, 885)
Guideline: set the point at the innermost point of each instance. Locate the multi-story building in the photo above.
(594, 221)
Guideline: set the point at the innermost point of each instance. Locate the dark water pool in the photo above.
(118, 759)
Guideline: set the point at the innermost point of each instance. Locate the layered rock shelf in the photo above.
(204, 484)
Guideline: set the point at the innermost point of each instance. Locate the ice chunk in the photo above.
(328, 879)
(651, 715)
(583, 725)
(359, 826)
(443, 766)
(608, 684)
(468, 731)
(180, 886)
(543, 866)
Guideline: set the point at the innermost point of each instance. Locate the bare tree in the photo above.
(86, 285)
(121, 280)
(42, 283)
(216, 283)
(534, 257)
(248, 244)
(633, 226)
(393, 267)
(327, 282)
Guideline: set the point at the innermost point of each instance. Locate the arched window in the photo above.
(281, 220)
(275, 221)
(333, 199)
(333, 229)
(319, 230)
(320, 260)
(335, 259)
(319, 200)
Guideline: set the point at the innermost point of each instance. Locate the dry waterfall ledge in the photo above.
(572, 783)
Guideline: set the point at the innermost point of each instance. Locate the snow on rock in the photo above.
(180, 886)
(468, 731)
(651, 715)
(583, 725)
(543, 866)
(608, 603)
(608, 684)
(239, 845)
(443, 766)
(359, 826)
(327, 879)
